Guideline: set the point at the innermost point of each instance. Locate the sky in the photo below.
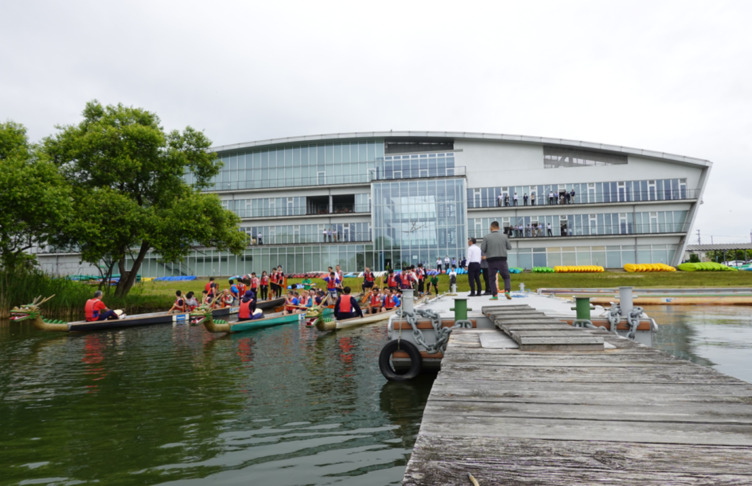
(663, 75)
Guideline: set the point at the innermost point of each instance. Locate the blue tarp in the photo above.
(176, 278)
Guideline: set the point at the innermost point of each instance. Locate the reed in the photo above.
(21, 287)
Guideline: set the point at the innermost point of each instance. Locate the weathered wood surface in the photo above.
(627, 415)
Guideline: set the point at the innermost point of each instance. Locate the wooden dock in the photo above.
(615, 413)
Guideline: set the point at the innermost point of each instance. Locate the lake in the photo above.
(284, 406)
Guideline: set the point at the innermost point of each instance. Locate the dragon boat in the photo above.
(268, 304)
(33, 312)
(324, 321)
(204, 315)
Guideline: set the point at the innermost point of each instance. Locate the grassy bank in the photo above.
(70, 297)
(532, 281)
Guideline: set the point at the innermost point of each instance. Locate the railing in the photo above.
(297, 210)
(584, 199)
(430, 173)
(243, 182)
(600, 230)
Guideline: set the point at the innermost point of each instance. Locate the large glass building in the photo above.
(396, 198)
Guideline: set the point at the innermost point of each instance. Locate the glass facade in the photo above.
(298, 165)
(556, 157)
(585, 193)
(287, 234)
(262, 207)
(587, 224)
(418, 221)
(209, 262)
(413, 166)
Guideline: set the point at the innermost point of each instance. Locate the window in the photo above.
(555, 157)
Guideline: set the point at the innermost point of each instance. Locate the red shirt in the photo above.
(92, 308)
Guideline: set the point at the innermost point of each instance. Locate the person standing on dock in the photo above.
(495, 246)
(473, 267)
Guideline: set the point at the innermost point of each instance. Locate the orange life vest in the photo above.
(245, 310)
(345, 304)
(388, 302)
(92, 314)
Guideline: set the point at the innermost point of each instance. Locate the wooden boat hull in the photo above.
(143, 320)
(335, 324)
(270, 304)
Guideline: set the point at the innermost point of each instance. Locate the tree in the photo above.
(131, 190)
(34, 198)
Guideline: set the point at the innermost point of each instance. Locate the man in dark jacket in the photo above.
(494, 247)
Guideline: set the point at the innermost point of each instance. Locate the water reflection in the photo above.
(284, 406)
(715, 336)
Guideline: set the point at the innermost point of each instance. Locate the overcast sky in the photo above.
(670, 76)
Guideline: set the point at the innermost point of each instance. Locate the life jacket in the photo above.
(242, 289)
(180, 304)
(245, 310)
(254, 283)
(91, 313)
(207, 287)
(391, 281)
(227, 301)
(375, 300)
(369, 277)
(291, 305)
(388, 302)
(345, 304)
(331, 283)
(264, 280)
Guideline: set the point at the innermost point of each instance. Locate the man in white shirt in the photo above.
(473, 267)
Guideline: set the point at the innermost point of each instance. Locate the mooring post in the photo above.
(460, 309)
(625, 301)
(407, 300)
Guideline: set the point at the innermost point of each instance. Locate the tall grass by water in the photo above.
(22, 287)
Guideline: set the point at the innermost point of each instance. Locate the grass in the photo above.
(532, 281)
(70, 297)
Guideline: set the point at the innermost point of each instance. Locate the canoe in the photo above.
(33, 313)
(331, 324)
(261, 321)
(269, 304)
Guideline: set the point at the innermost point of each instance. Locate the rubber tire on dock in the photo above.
(385, 365)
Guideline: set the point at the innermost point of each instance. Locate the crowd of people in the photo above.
(504, 199)
(378, 295)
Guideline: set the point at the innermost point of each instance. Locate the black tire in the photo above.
(385, 357)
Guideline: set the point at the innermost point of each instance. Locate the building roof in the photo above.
(355, 136)
(720, 247)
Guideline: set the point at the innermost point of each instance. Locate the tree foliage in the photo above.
(34, 198)
(131, 194)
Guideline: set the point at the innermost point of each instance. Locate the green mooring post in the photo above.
(582, 305)
(460, 309)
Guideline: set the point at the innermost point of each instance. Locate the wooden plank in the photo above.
(674, 411)
(615, 430)
(448, 460)
(568, 415)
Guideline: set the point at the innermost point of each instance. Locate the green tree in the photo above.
(132, 193)
(34, 198)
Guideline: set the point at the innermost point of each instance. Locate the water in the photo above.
(177, 405)
(282, 406)
(716, 336)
